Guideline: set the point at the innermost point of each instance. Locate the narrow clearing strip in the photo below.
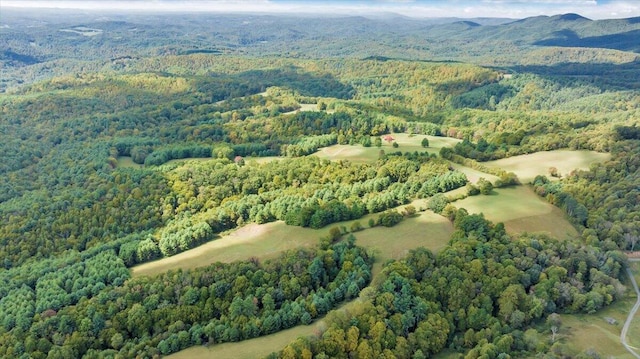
(632, 313)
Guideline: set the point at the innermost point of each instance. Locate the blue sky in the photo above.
(595, 9)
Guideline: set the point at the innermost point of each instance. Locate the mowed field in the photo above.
(266, 241)
(406, 143)
(251, 348)
(262, 241)
(425, 229)
(473, 175)
(582, 332)
(521, 210)
(527, 167)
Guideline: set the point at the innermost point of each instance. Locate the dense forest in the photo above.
(479, 296)
(97, 178)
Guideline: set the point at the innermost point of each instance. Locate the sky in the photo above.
(594, 9)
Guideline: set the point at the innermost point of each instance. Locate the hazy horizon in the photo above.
(600, 9)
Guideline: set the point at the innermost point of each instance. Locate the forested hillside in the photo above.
(479, 295)
(37, 45)
(163, 142)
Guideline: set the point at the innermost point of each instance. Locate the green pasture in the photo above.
(262, 241)
(425, 229)
(251, 348)
(305, 107)
(406, 143)
(527, 167)
(127, 162)
(521, 210)
(473, 175)
(265, 241)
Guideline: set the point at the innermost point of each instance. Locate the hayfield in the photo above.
(425, 229)
(406, 143)
(251, 348)
(265, 241)
(356, 153)
(473, 175)
(520, 210)
(262, 241)
(307, 107)
(527, 167)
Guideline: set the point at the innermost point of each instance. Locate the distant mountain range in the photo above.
(34, 39)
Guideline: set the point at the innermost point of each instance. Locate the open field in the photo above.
(250, 160)
(251, 348)
(527, 167)
(357, 153)
(520, 210)
(127, 162)
(406, 142)
(304, 107)
(412, 143)
(473, 175)
(583, 332)
(265, 241)
(425, 229)
(262, 241)
(307, 107)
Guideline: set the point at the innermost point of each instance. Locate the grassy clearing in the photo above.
(406, 142)
(262, 241)
(582, 332)
(250, 160)
(127, 162)
(307, 107)
(473, 175)
(265, 241)
(412, 143)
(527, 167)
(252, 348)
(425, 229)
(520, 210)
(358, 154)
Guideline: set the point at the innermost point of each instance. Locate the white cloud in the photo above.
(543, 2)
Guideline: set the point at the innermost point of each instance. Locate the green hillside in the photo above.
(133, 138)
